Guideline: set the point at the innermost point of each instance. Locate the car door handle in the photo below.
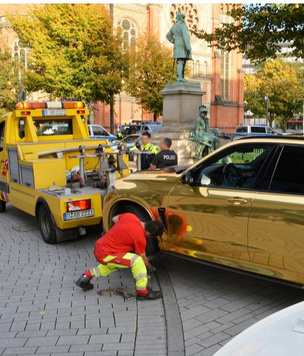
(237, 201)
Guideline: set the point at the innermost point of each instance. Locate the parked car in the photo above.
(130, 141)
(97, 131)
(126, 130)
(240, 207)
(280, 334)
(224, 138)
(253, 130)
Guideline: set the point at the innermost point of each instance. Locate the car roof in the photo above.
(273, 138)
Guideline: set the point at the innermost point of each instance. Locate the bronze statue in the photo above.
(204, 141)
(179, 35)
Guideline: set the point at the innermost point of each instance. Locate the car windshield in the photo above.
(53, 127)
(130, 139)
(130, 129)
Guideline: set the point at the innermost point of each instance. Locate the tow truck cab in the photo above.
(51, 169)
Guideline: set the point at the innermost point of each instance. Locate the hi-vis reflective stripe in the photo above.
(96, 272)
(134, 259)
(140, 276)
(92, 271)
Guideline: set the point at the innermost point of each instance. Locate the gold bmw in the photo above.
(241, 207)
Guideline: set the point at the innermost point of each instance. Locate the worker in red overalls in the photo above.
(113, 252)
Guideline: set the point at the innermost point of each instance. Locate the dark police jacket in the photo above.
(165, 159)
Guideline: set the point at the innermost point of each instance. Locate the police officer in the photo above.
(166, 157)
(146, 158)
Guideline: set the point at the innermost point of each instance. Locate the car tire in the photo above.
(48, 232)
(152, 244)
(2, 206)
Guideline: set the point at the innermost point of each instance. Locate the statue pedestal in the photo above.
(180, 109)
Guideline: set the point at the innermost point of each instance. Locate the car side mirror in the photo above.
(187, 178)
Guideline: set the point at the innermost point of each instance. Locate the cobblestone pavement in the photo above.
(42, 312)
(216, 305)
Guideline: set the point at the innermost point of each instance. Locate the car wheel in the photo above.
(152, 244)
(47, 231)
(2, 206)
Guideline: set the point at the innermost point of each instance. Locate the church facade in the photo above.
(219, 74)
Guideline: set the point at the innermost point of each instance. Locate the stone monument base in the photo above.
(180, 109)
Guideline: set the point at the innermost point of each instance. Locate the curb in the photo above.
(175, 335)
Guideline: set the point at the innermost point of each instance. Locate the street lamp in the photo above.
(267, 102)
(111, 105)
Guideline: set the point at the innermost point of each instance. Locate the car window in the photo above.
(99, 131)
(258, 129)
(130, 139)
(53, 127)
(289, 172)
(241, 129)
(2, 125)
(269, 130)
(233, 168)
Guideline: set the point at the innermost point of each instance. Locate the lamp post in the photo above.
(266, 98)
(111, 105)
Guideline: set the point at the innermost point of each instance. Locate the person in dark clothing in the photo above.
(166, 157)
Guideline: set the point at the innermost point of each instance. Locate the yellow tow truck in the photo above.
(50, 168)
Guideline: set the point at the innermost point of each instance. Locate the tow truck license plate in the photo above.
(57, 112)
(78, 214)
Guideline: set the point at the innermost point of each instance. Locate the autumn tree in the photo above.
(8, 81)
(73, 52)
(150, 69)
(282, 82)
(257, 30)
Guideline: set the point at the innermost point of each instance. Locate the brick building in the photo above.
(220, 74)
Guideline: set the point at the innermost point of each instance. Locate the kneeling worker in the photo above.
(146, 158)
(166, 157)
(113, 252)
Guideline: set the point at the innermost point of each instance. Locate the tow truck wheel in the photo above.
(2, 206)
(48, 233)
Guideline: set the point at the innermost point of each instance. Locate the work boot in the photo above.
(84, 283)
(152, 294)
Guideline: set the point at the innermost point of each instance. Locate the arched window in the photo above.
(225, 75)
(129, 33)
(198, 68)
(206, 69)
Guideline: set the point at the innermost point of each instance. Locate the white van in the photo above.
(253, 130)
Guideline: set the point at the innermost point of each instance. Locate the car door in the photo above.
(276, 224)
(215, 202)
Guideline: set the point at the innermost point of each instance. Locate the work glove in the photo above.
(151, 269)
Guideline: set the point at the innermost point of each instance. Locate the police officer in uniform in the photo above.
(166, 157)
(146, 158)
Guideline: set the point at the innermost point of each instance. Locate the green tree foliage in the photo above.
(284, 84)
(150, 70)
(258, 29)
(73, 53)
(8, 81)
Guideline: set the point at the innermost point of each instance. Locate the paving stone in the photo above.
(19, 351)
(73, 340)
